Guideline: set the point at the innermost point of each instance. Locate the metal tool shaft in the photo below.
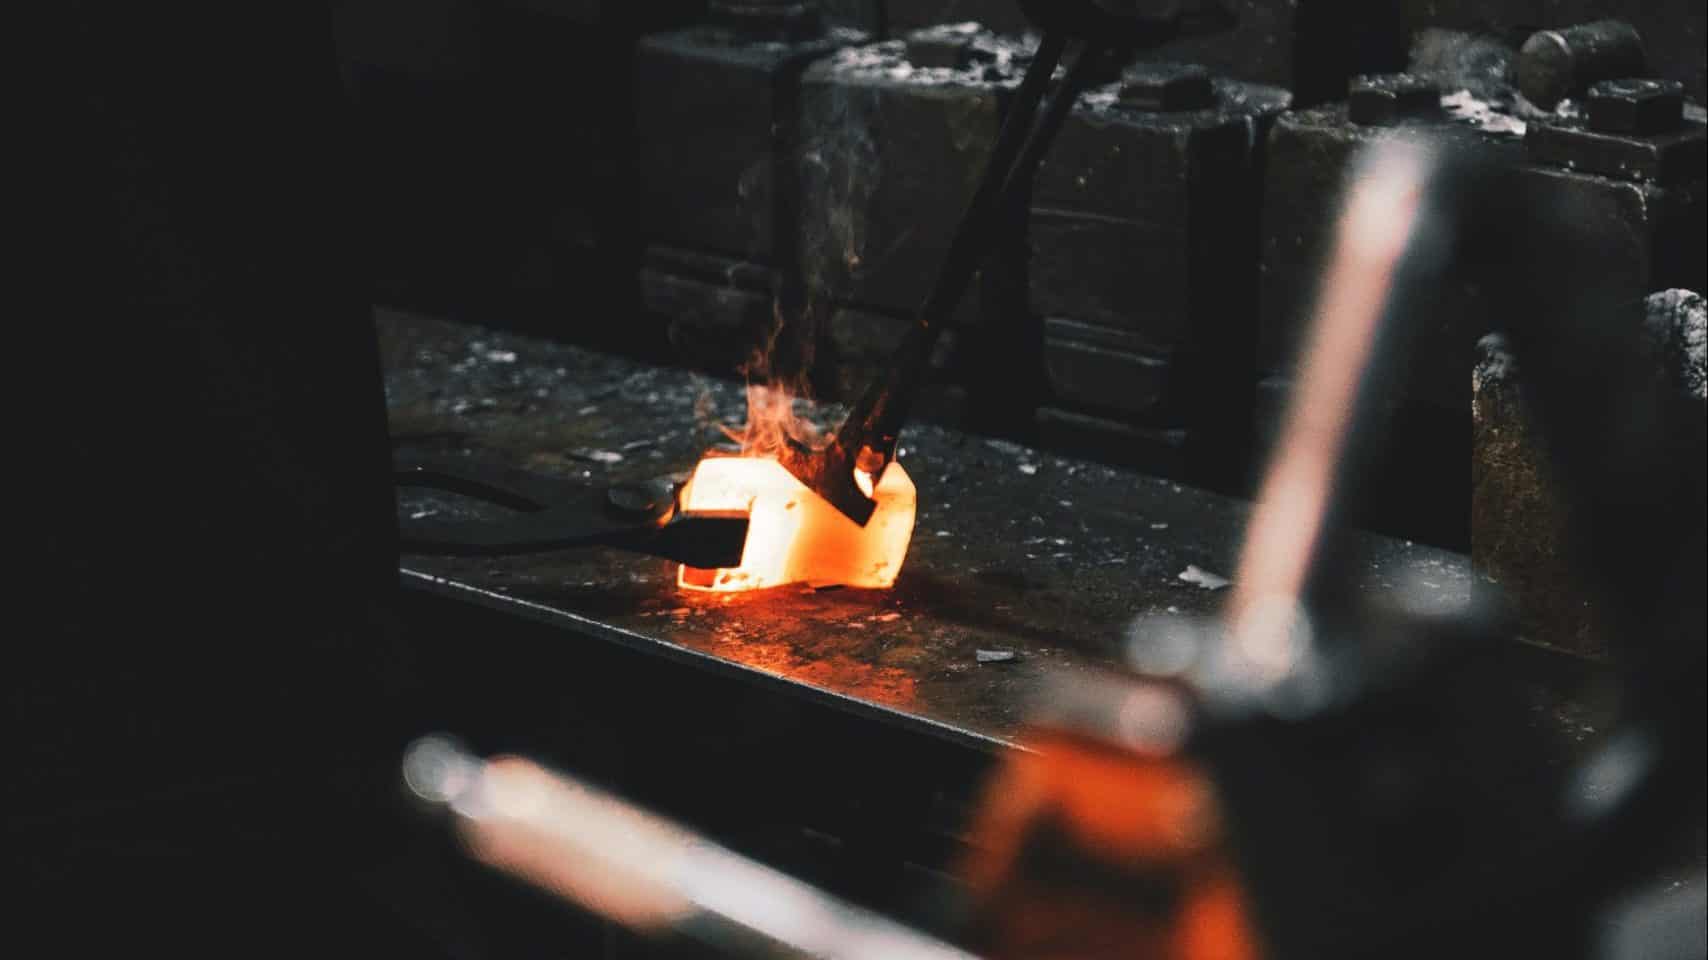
(867, 438)
(643, 871)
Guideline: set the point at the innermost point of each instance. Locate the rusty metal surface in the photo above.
(1015, 550)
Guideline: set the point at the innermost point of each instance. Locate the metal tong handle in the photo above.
(560, 516)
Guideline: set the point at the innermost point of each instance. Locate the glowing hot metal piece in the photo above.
(795, 536)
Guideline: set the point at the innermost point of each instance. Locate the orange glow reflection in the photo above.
(794, 536)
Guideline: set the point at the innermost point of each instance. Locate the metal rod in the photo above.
(643, 871)
(867, 438)
(1295, 504)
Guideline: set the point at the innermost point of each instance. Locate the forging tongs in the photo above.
(551, 514)
(866, 441)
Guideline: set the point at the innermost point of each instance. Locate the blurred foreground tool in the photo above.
(866, 440)
(1312, 777)
(641, 871)
(1102, 840)
(1386, 795)
(551, 514)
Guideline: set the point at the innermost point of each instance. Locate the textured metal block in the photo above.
(1385, 99)
(623, 14)
(1308, 160)
(1456, 60)
(1143, 237)
(1092, 369)
(891, 154)
(718, 312)
(715, 116)
(1121, 274)
(501, 184)
(1674, 32)
(1673, 157)
(860, 343)
(1636, 105)
(1145, 221)
(1651, 235)
(1520, 534)
(1259, 48)
(1553, 65)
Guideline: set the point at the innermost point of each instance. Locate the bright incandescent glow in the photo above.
(794, 536)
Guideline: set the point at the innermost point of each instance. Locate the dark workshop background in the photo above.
(593, 172)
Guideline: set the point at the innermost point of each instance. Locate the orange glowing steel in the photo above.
(795, 536)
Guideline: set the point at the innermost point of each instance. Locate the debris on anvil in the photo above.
(946, 54)
(1474, 73)
(1677, 322)
(1198, 576)
(596, 456)
(1486, 115)
(995, 656)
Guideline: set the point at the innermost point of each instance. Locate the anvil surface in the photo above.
(1015, 550)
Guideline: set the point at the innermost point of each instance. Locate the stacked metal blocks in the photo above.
(1142, 240)
(1153, 290)
(717, 132)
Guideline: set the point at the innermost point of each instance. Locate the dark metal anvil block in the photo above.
(1309, 156)
(1643, 195)
(1143, 237)
(716, 310)
(1651, 235)
(1142, 220)
(891, 153)
(1673, 156)
(1261, 43)
(1674, 33)
(715, 119)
